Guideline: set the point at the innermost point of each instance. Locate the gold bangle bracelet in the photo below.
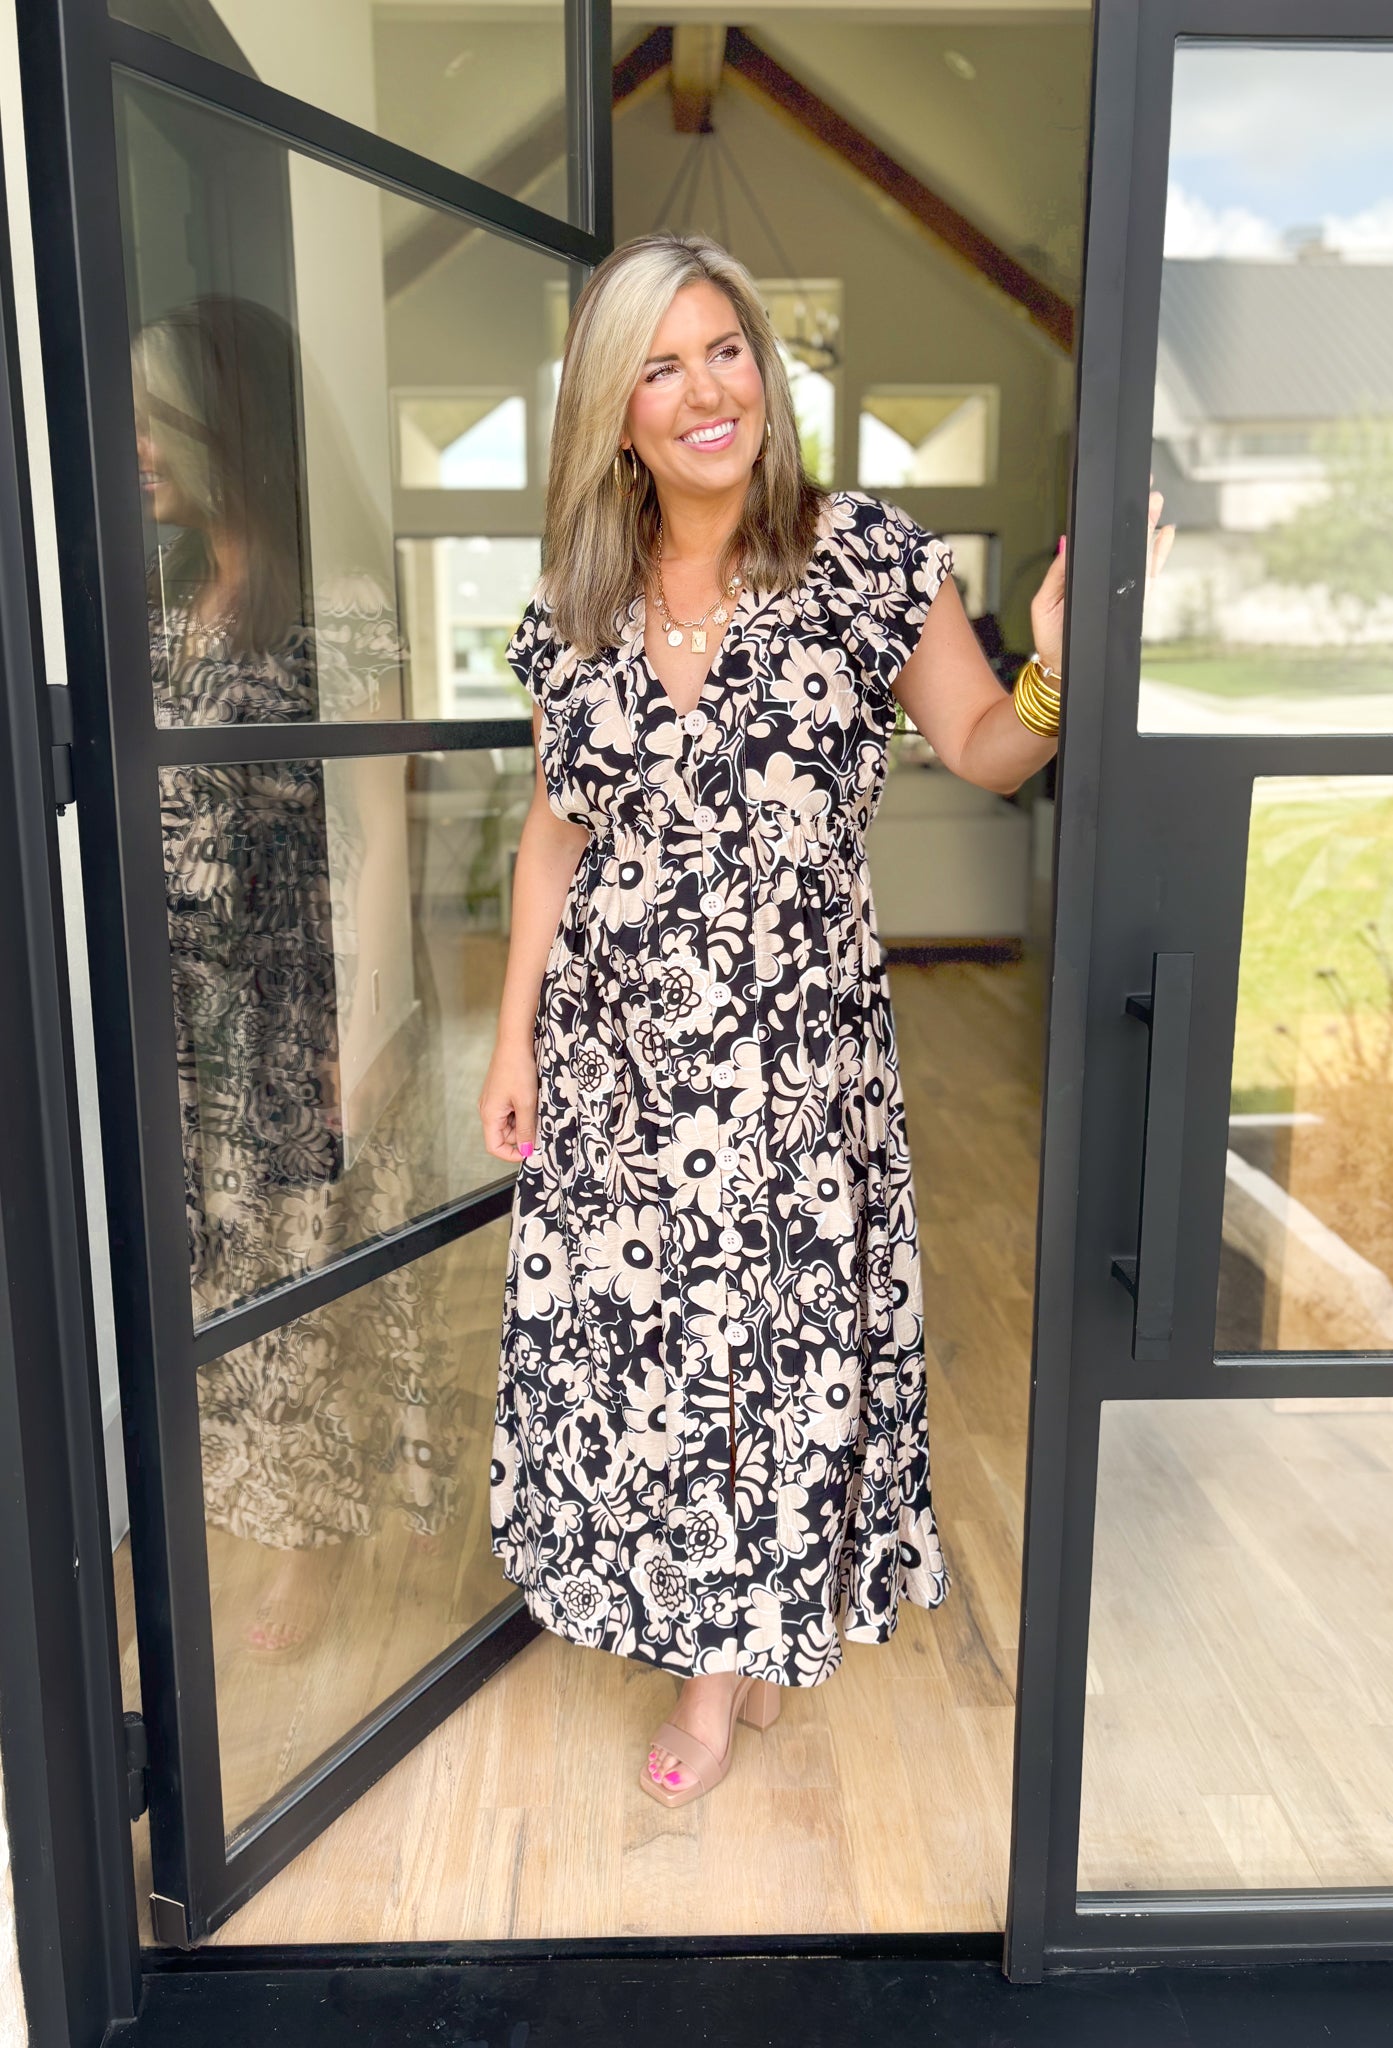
(1037, 704)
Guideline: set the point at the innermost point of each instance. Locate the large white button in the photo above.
(730, 1240)
(723, 1075)
(717, 994)
(712, 905)
(695, 724)
(728, 1159)
(736, 1333)
(704, 818)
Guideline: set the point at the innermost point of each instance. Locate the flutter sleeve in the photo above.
(902, 567)
(533, 650)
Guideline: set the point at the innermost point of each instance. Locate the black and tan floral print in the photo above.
(710, 1447)
(315, 1431)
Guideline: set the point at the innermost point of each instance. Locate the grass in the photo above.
(1319, 891)
(1212, 669)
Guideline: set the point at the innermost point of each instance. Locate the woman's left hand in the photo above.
(1047, 605)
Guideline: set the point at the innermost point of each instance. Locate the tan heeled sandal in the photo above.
(753, 1700)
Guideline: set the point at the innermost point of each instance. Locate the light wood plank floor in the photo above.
(879, 1801)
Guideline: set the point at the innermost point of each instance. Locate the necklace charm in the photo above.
(720, 615)
(698, 639)
(674, 638)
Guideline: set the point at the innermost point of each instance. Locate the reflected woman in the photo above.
(313, 1432)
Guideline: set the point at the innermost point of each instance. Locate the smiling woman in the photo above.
(711, 1449)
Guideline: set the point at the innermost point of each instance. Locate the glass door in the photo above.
(302, 350)
(1205, 1745)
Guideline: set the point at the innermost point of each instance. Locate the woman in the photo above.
(312, 1433)
(710, 1447)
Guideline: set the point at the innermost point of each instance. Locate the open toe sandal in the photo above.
(753, 1700)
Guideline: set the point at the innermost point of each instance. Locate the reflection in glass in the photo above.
(300, 401)
(1239, 1691)
(926, 434)
(479, 88)
(1307, 1259)
(345, 1477)
(461, 600)
(337, 934)
(1273, 417)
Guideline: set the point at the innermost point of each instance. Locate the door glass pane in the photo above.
(1240, 1701)
(480, 88)
(346, 1492)
(338, 933)
(1273, 420)
(304, 396)
(1307, 1261)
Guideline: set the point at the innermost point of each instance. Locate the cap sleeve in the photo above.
(533, 649)
(904, 566)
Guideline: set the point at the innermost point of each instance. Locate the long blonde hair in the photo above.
(600, 545)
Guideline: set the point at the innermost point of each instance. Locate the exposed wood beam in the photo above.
(833, 132)
(442, 235)
(698, 54)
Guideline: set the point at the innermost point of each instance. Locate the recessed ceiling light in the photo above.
(960, 66)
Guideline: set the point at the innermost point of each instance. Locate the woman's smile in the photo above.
(711, 436)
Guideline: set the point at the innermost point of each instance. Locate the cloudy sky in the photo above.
(1264, 141)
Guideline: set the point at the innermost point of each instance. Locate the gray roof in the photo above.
(1306, 340)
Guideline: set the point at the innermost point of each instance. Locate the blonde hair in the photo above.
(600, 544)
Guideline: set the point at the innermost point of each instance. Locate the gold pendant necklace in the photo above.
(674, 628)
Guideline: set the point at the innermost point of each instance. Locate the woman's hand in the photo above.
(1047, 605)
(508, 1104)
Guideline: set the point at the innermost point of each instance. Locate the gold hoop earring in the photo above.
(768, 436)
(630, 485)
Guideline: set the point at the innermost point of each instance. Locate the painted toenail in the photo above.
(674, 1777)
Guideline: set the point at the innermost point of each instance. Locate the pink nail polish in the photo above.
(674, 1777)
(1060, 549)
(525, 1150)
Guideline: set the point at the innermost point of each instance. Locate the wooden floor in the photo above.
(879, 1801)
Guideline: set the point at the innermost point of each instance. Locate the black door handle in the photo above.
(1150, 1277)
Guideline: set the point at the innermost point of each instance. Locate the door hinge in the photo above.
(169, 1921)
(60, 732)
(137, 1766)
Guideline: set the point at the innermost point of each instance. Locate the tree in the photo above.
(1345, 539)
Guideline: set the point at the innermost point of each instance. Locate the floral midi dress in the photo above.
(710, 1448)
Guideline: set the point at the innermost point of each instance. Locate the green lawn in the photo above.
(1218, 671)
(1319, 888)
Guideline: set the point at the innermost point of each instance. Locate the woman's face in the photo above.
(696, 416)
(166, 498)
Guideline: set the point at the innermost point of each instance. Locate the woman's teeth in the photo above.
(699, 436)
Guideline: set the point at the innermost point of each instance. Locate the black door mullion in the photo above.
(343, 144)
(200, 746)
(589, 97)
(315, 1290)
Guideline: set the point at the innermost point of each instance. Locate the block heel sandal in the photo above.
(754, 1701)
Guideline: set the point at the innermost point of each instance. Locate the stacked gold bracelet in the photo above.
(1036, 698)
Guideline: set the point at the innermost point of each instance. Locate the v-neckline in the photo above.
(698, 703)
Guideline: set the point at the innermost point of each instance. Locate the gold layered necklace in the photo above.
(675, 628)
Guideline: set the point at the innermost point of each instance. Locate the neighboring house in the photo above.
(1245, 392)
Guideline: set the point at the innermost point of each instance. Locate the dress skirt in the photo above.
(710, 1448)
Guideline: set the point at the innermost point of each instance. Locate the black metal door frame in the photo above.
(70, 52)
(1152, 835)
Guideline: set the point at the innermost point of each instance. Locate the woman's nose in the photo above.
(704, 390)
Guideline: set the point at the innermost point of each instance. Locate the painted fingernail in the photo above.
(525, 1151)
(1060, 549)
